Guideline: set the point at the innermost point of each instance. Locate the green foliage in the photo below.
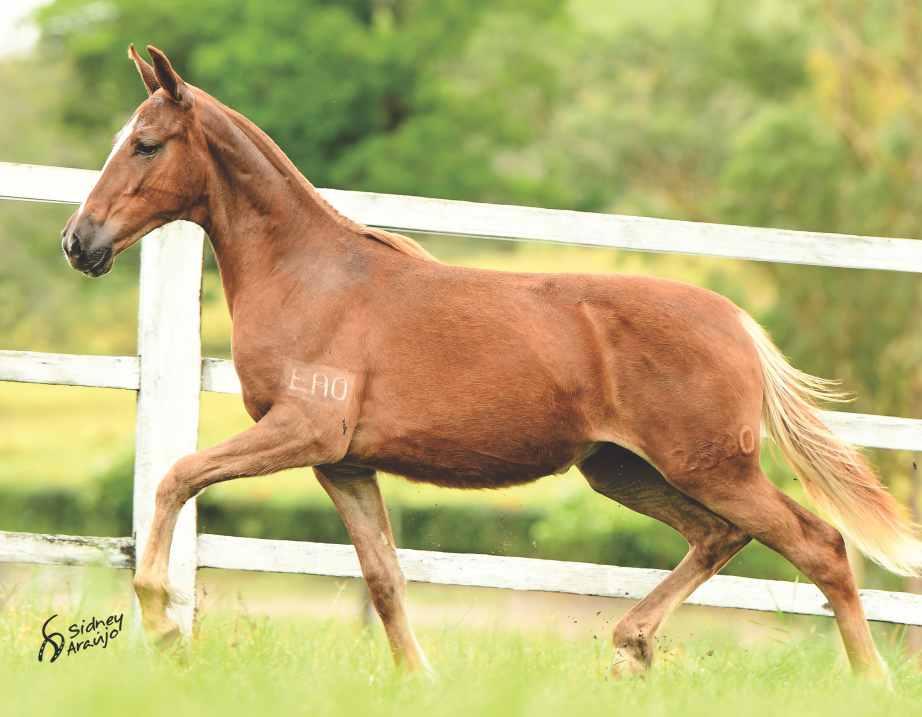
(765, 180)
(39, 305)
(326, 80)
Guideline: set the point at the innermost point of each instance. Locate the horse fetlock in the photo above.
(412, 659)
(874, 670)
(164, 635)
(154, 597)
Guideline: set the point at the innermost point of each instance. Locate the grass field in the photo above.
(285, 644)
(243, 665)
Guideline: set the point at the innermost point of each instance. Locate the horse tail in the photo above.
(835, 475)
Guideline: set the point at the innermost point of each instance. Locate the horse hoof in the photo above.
(166, 637)
(626, 666)
(878, 675)
(428, 673)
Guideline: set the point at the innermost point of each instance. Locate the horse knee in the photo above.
(178, 485)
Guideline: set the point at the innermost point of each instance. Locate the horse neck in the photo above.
(265, 217)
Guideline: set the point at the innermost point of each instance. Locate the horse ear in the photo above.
(168, 78)
(145, 70)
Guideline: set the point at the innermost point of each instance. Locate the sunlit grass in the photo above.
(61, 435)
(243, 665)
(286, 644)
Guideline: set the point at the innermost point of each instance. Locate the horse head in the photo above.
(153, 175)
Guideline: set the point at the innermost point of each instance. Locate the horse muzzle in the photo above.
(86, 250)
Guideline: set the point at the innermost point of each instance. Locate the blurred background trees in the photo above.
(788, 113)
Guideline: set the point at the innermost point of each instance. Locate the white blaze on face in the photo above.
(123, 134)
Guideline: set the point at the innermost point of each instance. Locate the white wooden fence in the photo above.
(168, 373)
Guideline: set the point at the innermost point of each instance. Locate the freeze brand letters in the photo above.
(330, 399)
(321, 382)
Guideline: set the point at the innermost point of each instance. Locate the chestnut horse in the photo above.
(357, 352)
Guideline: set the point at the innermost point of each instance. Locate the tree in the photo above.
(338, 85)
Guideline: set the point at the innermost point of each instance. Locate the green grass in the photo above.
(257, 666)
(285, 644)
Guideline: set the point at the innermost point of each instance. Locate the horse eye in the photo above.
(146, 149)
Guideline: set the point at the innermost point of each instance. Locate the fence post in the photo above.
(170, 350)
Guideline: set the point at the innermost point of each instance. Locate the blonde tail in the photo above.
(835, 475)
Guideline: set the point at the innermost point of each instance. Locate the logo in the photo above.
(84, 635)
(55, 640)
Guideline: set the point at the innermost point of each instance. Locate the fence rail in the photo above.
(489, 571)
(503, 221)
(219, 376)
(169, 373)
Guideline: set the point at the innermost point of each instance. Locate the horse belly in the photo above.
(495, 446)
(445, 463)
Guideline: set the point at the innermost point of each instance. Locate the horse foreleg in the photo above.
(356, 495)
(279, 440)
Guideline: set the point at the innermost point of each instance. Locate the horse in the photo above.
(359, 352)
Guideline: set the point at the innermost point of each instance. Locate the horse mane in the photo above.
(398, 242)
(281, 161)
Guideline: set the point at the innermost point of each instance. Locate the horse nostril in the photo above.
(72, 245)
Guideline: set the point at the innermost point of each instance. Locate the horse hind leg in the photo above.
(628, 479)
(738, 491)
